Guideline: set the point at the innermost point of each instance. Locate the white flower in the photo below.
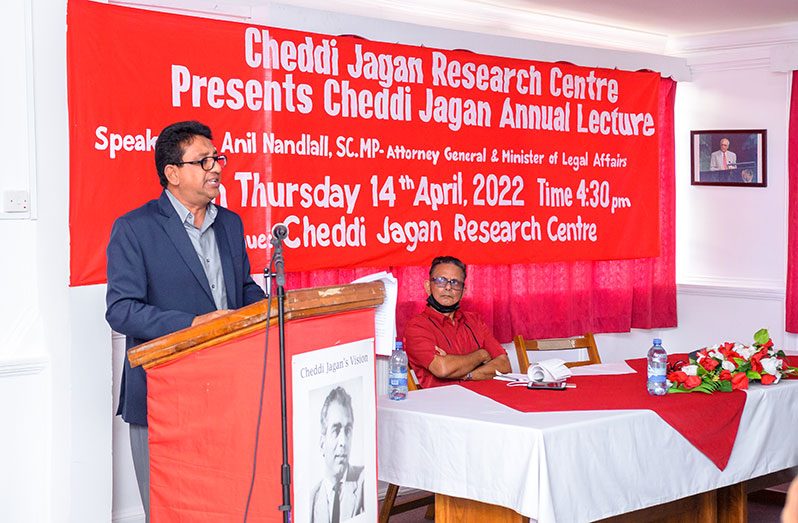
(772, 366)
(747, 352)
(690, 370)
(728, 365)
(717, 355)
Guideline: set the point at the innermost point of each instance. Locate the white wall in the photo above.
(754, 218)
(57, 366)
(25, 393)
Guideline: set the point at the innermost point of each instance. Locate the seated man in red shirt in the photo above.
(445, 344)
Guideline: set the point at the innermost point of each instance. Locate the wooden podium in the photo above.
(204, 400)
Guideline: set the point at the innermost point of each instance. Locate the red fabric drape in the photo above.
(792, 216)
(561, 299)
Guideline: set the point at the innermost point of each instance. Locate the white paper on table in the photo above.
(599, 369)
(385, 315)
(548, 371)
(510, 376)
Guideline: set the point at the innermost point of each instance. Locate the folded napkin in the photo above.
(548, 371)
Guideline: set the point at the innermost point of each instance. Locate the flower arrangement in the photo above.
(730, 366)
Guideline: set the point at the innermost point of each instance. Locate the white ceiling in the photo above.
(663, 27)
(654, 26)
(670, 18)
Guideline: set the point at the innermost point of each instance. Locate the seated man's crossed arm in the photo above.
(480, 364)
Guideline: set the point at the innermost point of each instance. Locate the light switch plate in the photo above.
(16, 201)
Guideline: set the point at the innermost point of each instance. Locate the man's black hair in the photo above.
(339, 396)
(172, 143)
(447, 259)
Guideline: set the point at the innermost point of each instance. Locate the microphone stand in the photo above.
(279, 233)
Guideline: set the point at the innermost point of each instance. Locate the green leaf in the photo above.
(753, 375)
(725, 386)
(678, 390)
(707, 387)
(761, 336)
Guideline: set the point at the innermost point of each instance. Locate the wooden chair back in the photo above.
(587, 342)
(412, 383)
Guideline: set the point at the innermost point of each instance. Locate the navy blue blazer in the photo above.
(156, 284)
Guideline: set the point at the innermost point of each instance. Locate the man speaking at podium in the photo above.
(445, 344)
(723, 159)
(175, 262)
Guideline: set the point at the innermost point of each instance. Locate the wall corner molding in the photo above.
(23, 366)
(767, 47)
(769, 290)
(734, 40)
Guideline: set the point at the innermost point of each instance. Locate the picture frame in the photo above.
(743, 162)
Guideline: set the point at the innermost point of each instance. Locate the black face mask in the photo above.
(443, 309)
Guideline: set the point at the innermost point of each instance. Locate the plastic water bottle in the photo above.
(657, 366)
(397, 373)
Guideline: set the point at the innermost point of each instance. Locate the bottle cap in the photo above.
(657, 341)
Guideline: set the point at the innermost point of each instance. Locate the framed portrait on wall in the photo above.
(735, 158)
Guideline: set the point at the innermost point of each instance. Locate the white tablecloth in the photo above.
(570, 466)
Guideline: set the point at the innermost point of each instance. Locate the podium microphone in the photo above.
(279, 233)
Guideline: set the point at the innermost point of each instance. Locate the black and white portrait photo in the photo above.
(338, 496)
(334, 420)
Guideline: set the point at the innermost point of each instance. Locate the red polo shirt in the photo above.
(462, 335)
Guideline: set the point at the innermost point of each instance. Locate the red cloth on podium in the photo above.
(202, 417)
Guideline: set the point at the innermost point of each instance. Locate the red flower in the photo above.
(728, 351)
(677, 376)
(756, 360)
(709, 363)
(692, 382)
(725, 375)
(767, 379)
(739, 381)
(767, 344)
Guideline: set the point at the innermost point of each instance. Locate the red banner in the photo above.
(372, 154)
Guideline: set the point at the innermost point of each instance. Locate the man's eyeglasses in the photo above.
(208, 162)
(442, 282)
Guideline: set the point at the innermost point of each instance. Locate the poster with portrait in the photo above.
(334, 427)
(729, 158)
